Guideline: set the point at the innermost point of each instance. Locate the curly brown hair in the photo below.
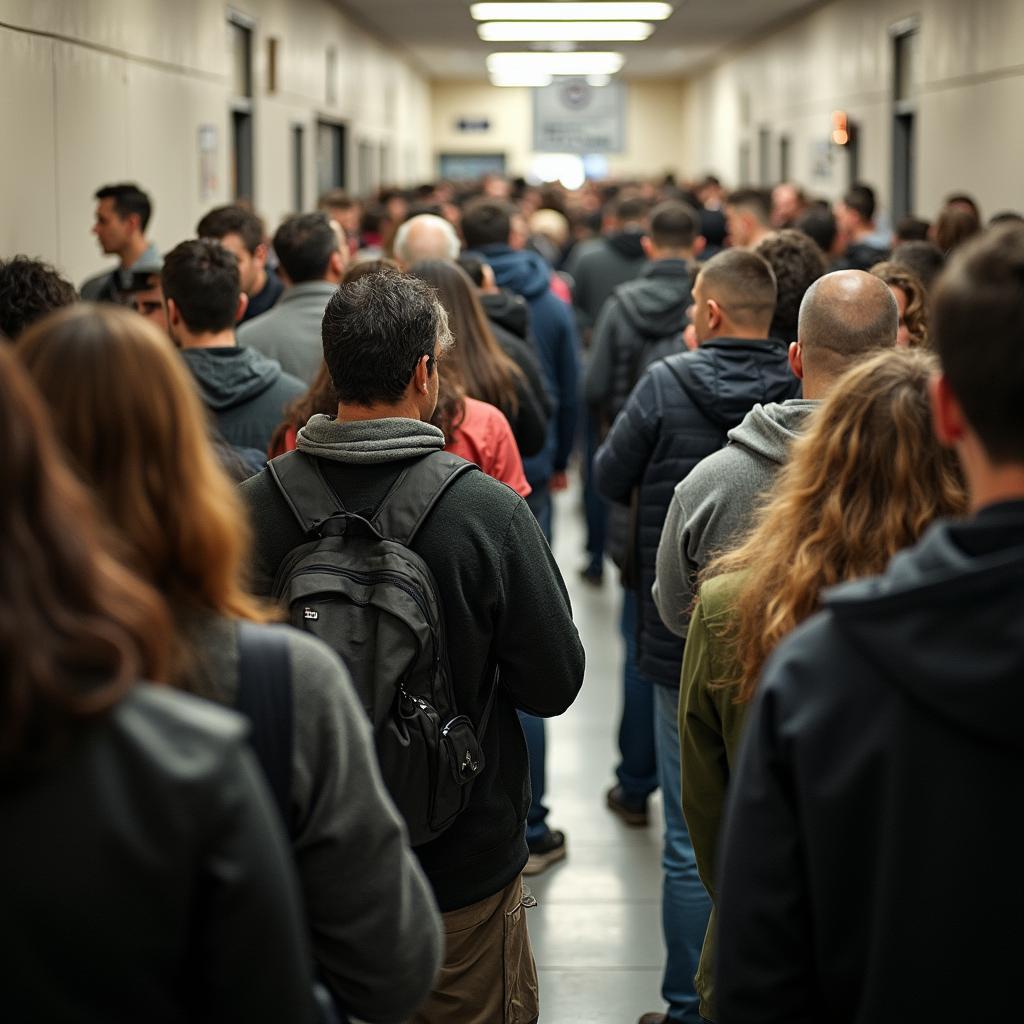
(915, 316)
(865, 480)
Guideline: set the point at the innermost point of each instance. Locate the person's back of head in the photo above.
(111, 628)
(797, 263)
(202, 289)
(308, 249)
(486, 222)
(376, 332)
(748, 213)
(864, 481)
(818, 222)
(977, 326)
(1005, 217)
(845, 317)
(734, 296)
(29, 289)
(426, 237)
(630, 213)
(911, 300)
(674, 230)
(924, 259)
(125, 406)
(232, 219)
(128, 202)
(963, 201)
(474, 268)
(859, 204)
(911, 229)
(954, 226)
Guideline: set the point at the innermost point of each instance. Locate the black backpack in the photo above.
(358, 587)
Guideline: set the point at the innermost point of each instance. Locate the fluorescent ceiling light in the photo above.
(597, 11)
(526, 79)
(577, 63)
(564, 31)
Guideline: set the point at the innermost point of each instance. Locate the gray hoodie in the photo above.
(715, 504)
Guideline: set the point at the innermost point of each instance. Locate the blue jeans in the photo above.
(637, 771)
(684, 902)
(539, 501)
(595, 507)
(536, 817)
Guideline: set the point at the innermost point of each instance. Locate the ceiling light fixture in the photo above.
(521, 79)
(564, 31)
(580, 63)
(601, 10)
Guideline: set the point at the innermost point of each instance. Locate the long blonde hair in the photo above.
(127, 411)
(865, 480)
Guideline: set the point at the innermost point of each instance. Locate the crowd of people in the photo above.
(281, 622)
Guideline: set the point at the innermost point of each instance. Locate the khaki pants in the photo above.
(488, 975)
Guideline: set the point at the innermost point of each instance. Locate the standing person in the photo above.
(120, 801)
(500, 596)
(122, 216)
(748, 217)
(788, 203)
(245, 392)
(855, 803)
(487, 229)
(143, 448)
(679, 413)
(241, 232)
(641, 322)
(911, 300)
(311, 262)
(855, 218)
(29, 289)
(871, 442)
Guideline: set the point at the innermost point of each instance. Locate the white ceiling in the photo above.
(441, 38)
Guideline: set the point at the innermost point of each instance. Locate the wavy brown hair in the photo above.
(476, 361)
(915, 316)
(865, 480)
(76, 628)
(127, 410)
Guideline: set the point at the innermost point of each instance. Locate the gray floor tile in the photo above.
(598, 996)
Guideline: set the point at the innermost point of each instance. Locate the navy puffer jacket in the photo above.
(679, 413)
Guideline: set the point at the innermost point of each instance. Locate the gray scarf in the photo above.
(365, 442)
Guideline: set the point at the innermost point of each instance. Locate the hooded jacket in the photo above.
(526, 274)
(245, 391)
(713, 506)
(599, 268)
(679, 413)
(640, 323)
(869, 860)
(508, 310)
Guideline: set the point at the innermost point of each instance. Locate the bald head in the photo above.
(426, 237)
(844, 317)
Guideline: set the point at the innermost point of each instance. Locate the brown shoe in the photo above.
(635, 817)
(653, 1018)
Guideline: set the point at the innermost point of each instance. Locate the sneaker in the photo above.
(634, 815)
(545, 851)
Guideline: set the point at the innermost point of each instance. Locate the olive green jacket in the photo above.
(710, 727)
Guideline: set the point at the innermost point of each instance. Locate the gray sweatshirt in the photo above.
(714, 506)
(374, 926)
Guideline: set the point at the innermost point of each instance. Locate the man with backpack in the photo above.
(436, 586)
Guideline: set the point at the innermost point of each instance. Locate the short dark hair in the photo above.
(911, 229)
(201, 276)
(977, 324)
(630, 209)
(861, 199)
(674, 225)
(744, 284)
(304, 244)
(375, 331)
(963, 199)
(474, 268)
(797, 263)
(819, 224)
(954, 226)
(486, 222)
(756, 200)
(1005, 217)
(335, 199)
(128, 199)
(925, 259)
(29, 289)
(233, 220)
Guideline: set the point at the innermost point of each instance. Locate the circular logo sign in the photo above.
(576, 94)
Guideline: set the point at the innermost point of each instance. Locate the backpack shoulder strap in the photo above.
(265, 698)
(301, 482)
(415, 493)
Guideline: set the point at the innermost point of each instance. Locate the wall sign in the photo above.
(476, 125)
(571, 116)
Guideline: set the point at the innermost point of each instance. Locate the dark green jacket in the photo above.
(710, 727)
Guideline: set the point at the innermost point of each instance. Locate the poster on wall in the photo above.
(572, 116)
(208, 183)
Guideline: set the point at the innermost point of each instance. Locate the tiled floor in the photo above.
(597, 930)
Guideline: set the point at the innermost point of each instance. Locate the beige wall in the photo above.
(970, 91)
(122, 93)
(653, 112)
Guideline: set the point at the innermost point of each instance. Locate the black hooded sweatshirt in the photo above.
(871, 868)
(599, 267)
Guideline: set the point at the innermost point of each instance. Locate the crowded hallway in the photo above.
(512, 513)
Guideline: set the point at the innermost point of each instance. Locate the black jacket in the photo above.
(505, 604)
(598, 268)
(679, 413)
(245, 392)
(146, 877)
(860, 256)
(871, 865)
